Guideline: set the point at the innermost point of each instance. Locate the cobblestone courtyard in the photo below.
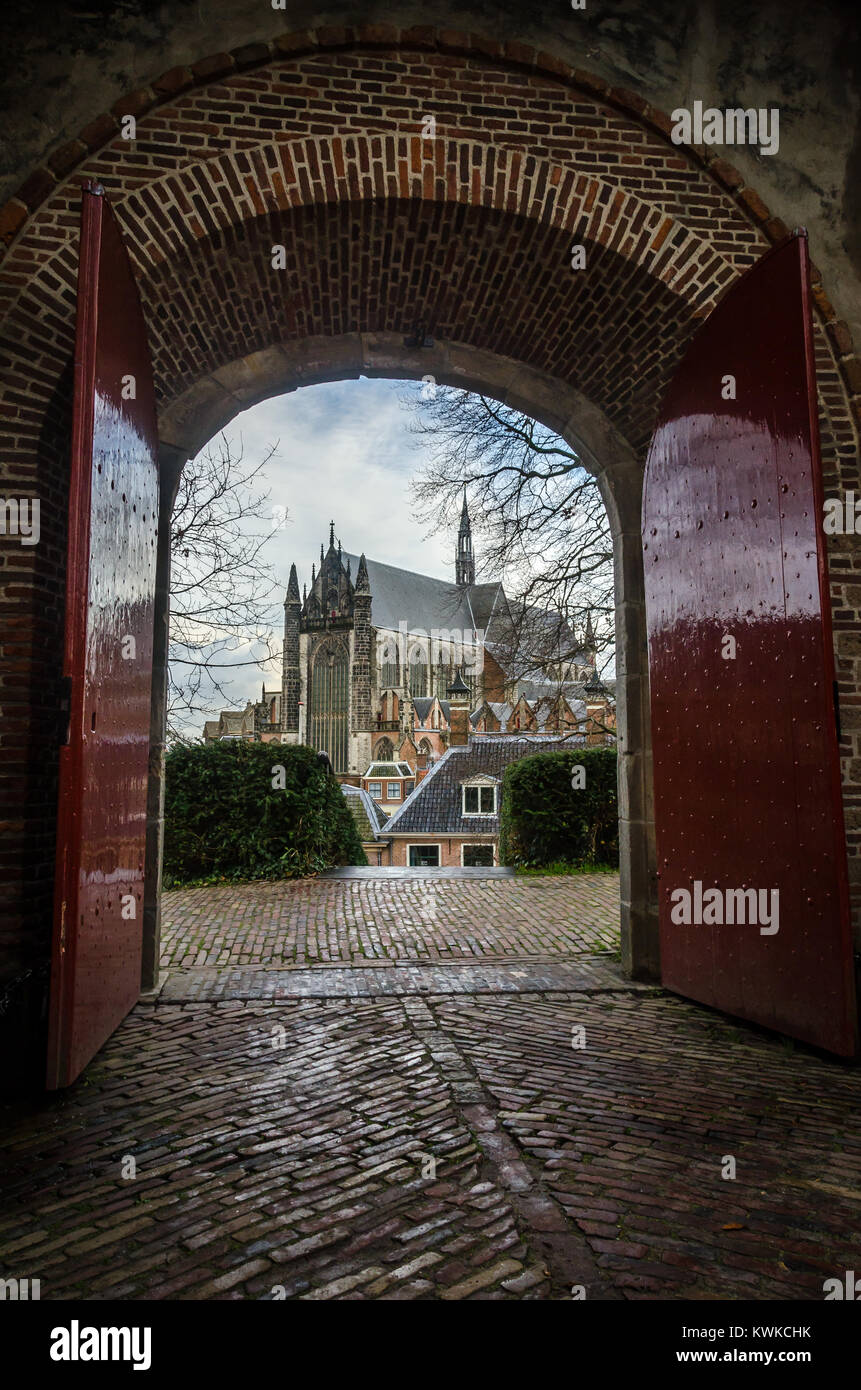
(437, 1134)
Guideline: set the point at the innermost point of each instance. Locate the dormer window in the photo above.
(479, 798)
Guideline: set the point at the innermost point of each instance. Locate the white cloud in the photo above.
(345, 453)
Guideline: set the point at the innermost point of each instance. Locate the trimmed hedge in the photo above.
(225, 820)
(543, 820)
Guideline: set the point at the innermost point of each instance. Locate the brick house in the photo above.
(452, 817)
(389, 784)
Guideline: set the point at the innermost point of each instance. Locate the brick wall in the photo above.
(450, 849)
(314, 142)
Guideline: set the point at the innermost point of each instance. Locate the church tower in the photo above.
(362, 653)
(290, 675)
(464, 564)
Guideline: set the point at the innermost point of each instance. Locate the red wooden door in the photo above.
(113, 520)
(746, 773)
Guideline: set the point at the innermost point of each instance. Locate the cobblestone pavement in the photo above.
(442, 1148)
(484, 1128)
(334, 982)
(310, 921)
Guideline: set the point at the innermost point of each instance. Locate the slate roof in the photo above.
(574, 691)
(436, 805)
(368, 816)
(422, 705)
(543, 709)
(399, 596)
(389, 770)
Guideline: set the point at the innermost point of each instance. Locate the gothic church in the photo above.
(366, 640)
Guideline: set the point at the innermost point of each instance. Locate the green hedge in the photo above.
(225, 820)
(543, 820)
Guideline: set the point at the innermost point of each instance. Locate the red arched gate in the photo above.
(754, 914)
(110, 583)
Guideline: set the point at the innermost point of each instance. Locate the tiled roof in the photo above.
(399, 596)
(436, 805)
(572, 690)
(422, 706)
(366, 813)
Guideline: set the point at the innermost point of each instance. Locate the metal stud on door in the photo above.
(753, 893)
(113, 521)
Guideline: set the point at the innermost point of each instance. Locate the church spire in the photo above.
(331, 533)
(464, 562)
(292, 587)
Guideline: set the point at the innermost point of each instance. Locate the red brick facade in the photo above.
(314, 142)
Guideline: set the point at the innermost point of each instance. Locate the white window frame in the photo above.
(425, 845)
(479, 786)
(397, 794)
(378, 794)
(479, 844)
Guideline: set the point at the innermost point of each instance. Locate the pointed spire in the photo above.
(339, 550)
(465, 527)
(292, 586)
(304, 593)
(349, 566)
(321, 555)
(363, 584)
(464, 561)
(331, 533)
(590, 632)
(313, 574)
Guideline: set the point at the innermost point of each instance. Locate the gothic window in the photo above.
(384, 751)
(332, 601)
(329, 705)
(418, 675)
(389, 672)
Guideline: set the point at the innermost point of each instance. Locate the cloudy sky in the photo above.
(344, 453)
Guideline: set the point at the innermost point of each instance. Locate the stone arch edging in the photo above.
(177, 81)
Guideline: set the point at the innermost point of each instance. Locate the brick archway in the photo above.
(316, 143)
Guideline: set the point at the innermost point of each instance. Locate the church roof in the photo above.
(400, 596)
(483, 599)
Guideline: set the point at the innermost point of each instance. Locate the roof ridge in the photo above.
(418, 786)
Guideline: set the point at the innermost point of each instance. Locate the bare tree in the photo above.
(540, 516)
(221, 586)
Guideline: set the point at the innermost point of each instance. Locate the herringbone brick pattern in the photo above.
(445, 1148)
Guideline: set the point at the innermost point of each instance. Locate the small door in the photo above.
(113, 523)
(748, 811)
